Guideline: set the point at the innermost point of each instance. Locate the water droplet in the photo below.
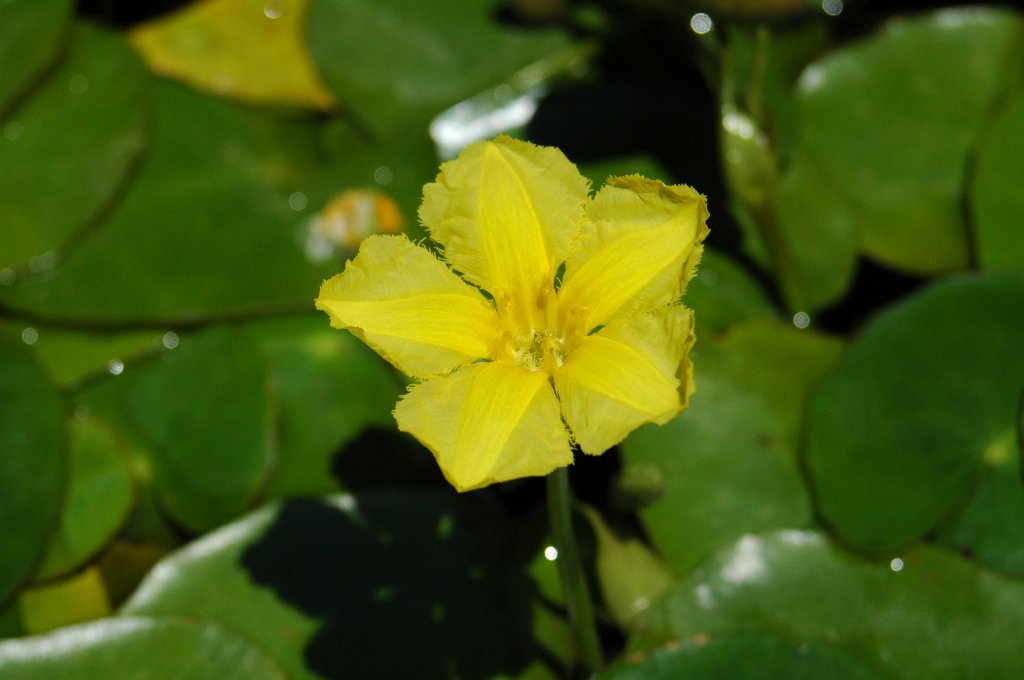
(709, 277)
(82, 412)
(896, 564)
(42, 263)
(551, 553)
(7, 276)
(503, 93)
(78, 84)
(13, 130)
(383, 175)
(29, 336)
(833, 8)
(701, 23)
(801, 320)
(170, 339)
(273, 9)
(115, 367)
(297, 201)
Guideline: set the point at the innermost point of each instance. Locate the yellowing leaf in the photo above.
(252, 50)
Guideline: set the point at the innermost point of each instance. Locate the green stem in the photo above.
(570, 568)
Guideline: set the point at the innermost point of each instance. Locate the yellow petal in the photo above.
(409, 307)
(626, 375)
(639, 248)
(505, 212)
(487, 423)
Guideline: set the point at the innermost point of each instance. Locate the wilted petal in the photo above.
(638, 250)
(409, 307)
(626, 375)
(487, 423)
(505, 212)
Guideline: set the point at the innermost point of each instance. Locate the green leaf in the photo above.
(723, 293)
(927, 615)
(997, 192)
(205, 409)
(818, 234)
(631, 576)
(893, 118)
(743, 657)
(728, 464)
(137, 648)
(99, 496)
(330, 586)
(74, 599)
(397, 62)
(208, 229)
(31, 36)
(70, 148)
(31, 462)
(329, 388)
(989, 528)
(897, 434)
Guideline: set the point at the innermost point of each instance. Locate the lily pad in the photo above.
(75, 599)
(71, 147)
(252, 50)
(897, 434)
(99, 496)
(31, 38)
(743, 657)
(329, 388)
(218, 219)
(819, 234)
(997, 193)
(724, 293)
(927, 614)
(328, 585)
(205, 409)
(136, 647)
(396, 62)
(989, 528)
(893, 118)
(728, 464)
(31, 462)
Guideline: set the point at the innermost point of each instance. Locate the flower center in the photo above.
(540, 350)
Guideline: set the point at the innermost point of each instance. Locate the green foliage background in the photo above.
(199, 478)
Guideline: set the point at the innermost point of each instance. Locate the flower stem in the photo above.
(570, 569)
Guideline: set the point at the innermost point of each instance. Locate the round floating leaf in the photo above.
(203, 232)
(927, 615)
(897, 433)
(74, 357)
(31, 35)
(251, 50)
(723, 293)
(400, 61)
(138, 648)
(997, 198)
(206, 411)
(728, 464)
(818, 232)
(71, 146)
(330, 586)
(99, 496)
(330, 387)
(630, 575)
(31, 462)
(743, 657)
(77, 598)
(893, 118)
(989, 529)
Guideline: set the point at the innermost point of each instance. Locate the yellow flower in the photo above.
(509, 356)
